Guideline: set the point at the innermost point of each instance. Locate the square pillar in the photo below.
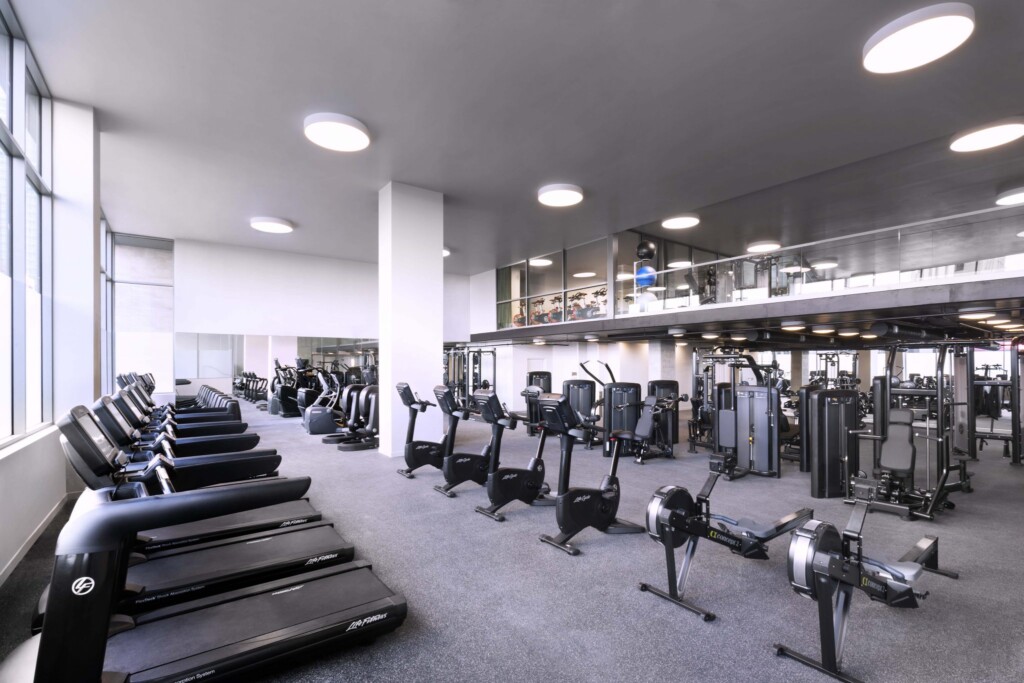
(411, 307)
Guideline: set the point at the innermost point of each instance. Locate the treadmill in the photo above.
(209, 639)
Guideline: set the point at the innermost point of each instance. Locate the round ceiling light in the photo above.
(823, 329)
(997, 321)
(336, 132)
(738, 336)
(591, 337)
(792, 325)
(446, 252)
(539, 341)
(824, 263)
(683, 286)
(975, 314)
(540, 262)
(849, 332)
(709, 335)
(624, 276)
(868, 335)
(1011, 197)
(679, 343)
(655, 289)
(790, 270)
(681, 222)
(763, 247)
(560, 194)
(276, 226)
(920, 37)
(1009, 326)
(988, 136)
(680, 264)
(677, 331)
(585, 273)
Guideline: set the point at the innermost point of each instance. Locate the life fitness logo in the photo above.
(83, 586)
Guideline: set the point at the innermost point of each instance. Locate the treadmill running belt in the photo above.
(259, 519)
(302, 612)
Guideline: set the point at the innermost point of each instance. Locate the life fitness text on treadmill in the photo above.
(359, 623)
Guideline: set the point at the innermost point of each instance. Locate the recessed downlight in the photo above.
(336, 132)
(709, 335)
(997, 321)
(920, 37)
(624, 276)
(681, 343)
(824, 263)
(792, 325)
(585, 273)
(560, 195)
(988, 136)
(868, 335)
(681, 222)
(1011, 197)
(792, 270)
(679, 264)
(677, 331)
(539, 341)
(823, 329)
(446, 252)
(656, 289)
(540, 262)
(976, 314)
(275, 226)
(763, 247)
(682, 286)
(1010, 326)
(591, 337)
(848, 332)
(739, 336)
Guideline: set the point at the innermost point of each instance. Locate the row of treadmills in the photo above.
(187, 558)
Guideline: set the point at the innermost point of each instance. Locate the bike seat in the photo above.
(906, 572)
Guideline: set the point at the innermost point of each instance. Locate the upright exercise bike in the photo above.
(579, 508)
(420, 453)
(458, 468)
(506, 484)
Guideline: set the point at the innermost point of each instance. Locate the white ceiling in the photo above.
(654, 107)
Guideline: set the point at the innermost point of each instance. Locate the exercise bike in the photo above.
(826, 566)
(506, 484)
(420, 453)
(458, 468)
(675, 520)
(579, 508)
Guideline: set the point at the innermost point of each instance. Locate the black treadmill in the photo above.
(213, 638)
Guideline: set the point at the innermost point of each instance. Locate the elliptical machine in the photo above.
(420, 453)
(506, 484)
(579, 508)
(458, 468)
(675, 520)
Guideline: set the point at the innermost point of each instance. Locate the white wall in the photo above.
(32, 488)
(222, 289)
(456, 308)
(255, 351)
(482, 307)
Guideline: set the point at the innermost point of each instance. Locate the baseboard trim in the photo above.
(34, 536)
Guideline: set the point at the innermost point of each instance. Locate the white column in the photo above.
(411, 291)
(76, 229)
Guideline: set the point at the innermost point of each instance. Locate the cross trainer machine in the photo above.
(676, 520)
(506, 484)
(458, 468)
(579, 508)
(419, 453)
(825, 566)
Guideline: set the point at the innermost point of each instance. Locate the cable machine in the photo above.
(466, 370)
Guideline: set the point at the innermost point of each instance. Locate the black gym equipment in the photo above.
(754, 417)
(537, 382)
(419, 453)
(831, 416)
(458, 468)
(211, 638)
(675, 520)
(506, 484)
(826, 566)
(579, 508)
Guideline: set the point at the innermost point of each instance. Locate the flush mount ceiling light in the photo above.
(1011, 197)
(824, 263)
(997, 321)
(336, 132)
(988, 136)
(790, 270)
(680, 264)
(681, 222)
(276, 226)
(763, 247)
(585, 273)
(624, 276)
(868, 335)
(792, 325)
(446, 252)
(683, 286)
(591, 337)
(976, 314)
(709, 335)
(540, 262)
(560, 194)
(655, 289)
(848, 332)
(1010, 326)
(539, 341)
(738, 336)
(823, 329)
(920, 37)
(679, 343)
(676, 331)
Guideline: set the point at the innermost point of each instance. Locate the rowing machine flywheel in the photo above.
(812, 538)
(666, 502)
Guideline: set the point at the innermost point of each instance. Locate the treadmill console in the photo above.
(84, 434)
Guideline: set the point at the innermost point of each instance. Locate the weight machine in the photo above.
(466, 370)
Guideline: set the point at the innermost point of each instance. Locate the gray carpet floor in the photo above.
(489, 602)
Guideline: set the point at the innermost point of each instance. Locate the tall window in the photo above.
(5, 76)
(6, 308)
(33, 124)
(33, 308)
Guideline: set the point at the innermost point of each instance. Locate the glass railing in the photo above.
(980, 245)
